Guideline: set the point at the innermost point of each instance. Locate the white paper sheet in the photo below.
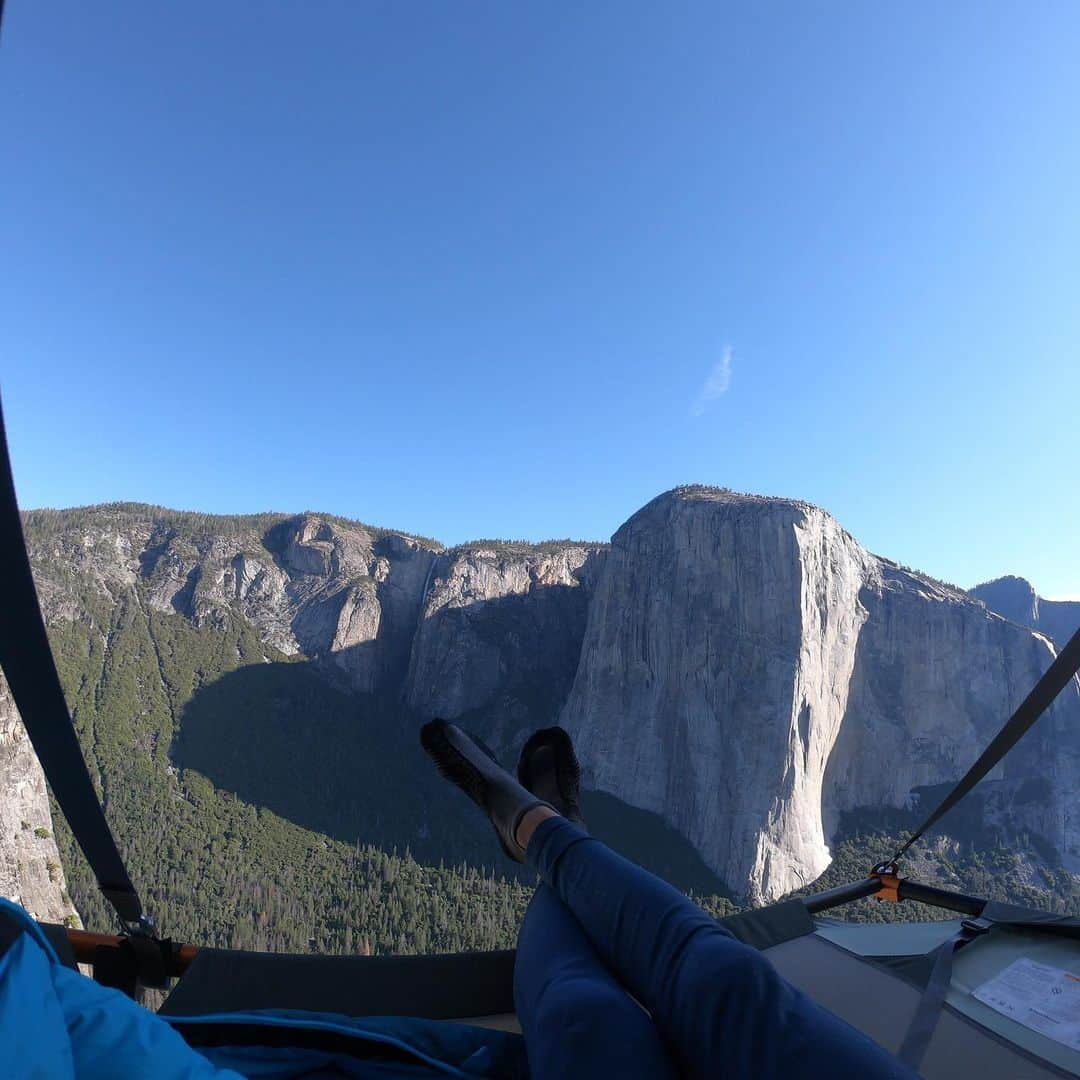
(1043, 998)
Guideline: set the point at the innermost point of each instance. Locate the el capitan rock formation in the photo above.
(739, 665)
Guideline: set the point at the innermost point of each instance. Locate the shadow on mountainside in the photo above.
(504, 665)
(281, 736)
(350, 766)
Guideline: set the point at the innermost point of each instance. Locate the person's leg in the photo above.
(577, 1020)
(721, 1006)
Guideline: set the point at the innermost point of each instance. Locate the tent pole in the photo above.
(896, 889)
(942, 898)
(84, 945)
(843, 894)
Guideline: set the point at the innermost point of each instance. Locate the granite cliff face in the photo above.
(749, 672)
(500, 635)
(30, 870)
(444, 631)
(714, 675)
(740, 666)
(334, 591)
(1015, 598)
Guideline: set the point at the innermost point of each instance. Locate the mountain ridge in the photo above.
(1015, 598)
(788, 659)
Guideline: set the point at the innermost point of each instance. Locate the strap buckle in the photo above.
(888, 874)
(144, 927)
(977, 927)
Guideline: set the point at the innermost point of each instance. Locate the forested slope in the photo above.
(236, 684)
(327, 830)
(218, 870)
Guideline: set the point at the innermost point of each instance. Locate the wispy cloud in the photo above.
(1072, 596)
(715, 385)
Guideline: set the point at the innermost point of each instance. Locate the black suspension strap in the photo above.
(1057, 676)
(927, 1013)
(27, 663)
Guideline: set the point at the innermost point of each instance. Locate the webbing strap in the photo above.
(1054, 680)
(923, 1024)
(27, 663)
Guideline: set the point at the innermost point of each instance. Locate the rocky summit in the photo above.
(1016, 599)
(750, 672)
(738, 666)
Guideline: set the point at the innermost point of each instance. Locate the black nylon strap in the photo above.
(27, 663)
(1054, 680)
(924, 1022)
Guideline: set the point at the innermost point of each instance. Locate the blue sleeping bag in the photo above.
(56, 1023)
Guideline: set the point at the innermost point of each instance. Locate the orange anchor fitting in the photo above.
(890, 883)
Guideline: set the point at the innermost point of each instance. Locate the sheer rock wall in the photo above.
(30, 870)
(499, 637)
(749, 672)
(741, 666)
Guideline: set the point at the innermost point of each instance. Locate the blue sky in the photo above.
(474, 269)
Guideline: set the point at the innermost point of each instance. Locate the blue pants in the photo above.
(601, 929)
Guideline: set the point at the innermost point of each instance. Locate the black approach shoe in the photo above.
(465, 761)
(549, 768)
